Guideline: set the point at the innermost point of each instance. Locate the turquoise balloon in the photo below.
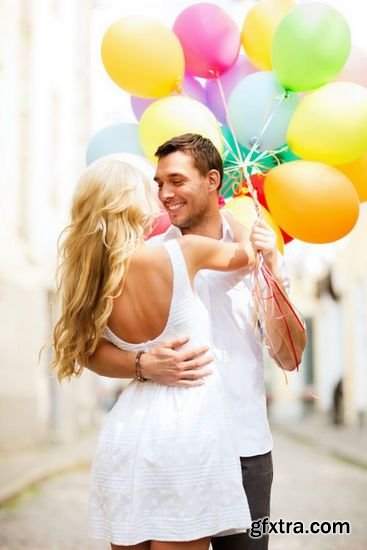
(310, 46)
(118, 138)
(261, 110)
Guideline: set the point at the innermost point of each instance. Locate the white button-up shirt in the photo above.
(237, 347)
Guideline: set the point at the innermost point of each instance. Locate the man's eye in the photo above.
(177, 182)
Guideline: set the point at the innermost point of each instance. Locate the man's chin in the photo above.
(176, 219)
(179, 222)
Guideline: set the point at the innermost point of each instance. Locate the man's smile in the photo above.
(173, 207)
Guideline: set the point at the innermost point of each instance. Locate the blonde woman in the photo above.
(166, 473)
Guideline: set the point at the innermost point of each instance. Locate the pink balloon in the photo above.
(228, 81)
(190, 87)
(210, 39)
(160, 224)
(355, 69)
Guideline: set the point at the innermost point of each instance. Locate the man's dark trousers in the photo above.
(257, 475)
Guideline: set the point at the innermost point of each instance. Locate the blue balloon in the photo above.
(118, 138)
(260, 111)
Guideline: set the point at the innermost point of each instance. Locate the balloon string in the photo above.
(284, 296)
(257, 140)
(278, 301)
(268, 277)
(255, 145)
(243, 162)
(228, 117)
(260, 307)
(260, 268)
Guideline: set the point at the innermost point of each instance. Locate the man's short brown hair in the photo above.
(204, 154)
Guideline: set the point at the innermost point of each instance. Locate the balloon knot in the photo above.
(255, 143)
(178, 87)
(240, 190)
(214, 73)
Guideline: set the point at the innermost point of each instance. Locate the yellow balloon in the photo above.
(143, 57)
(330, 124)
(312, 201)
(244, 211)
(258, 29)
(173, 116)
(357, 173)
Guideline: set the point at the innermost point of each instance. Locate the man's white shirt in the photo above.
(236, 346)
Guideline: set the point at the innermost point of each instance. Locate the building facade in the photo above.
(45, 105)
(332, 379)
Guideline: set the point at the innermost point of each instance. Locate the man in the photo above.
(189, 174)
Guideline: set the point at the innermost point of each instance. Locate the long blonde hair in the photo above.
(112, 209)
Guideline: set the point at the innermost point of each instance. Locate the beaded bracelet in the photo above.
(139, 376)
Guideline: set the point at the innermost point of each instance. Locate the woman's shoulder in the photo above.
(149, 254)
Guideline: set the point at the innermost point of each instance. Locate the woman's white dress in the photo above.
(166, 466)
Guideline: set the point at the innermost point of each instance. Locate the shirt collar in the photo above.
(227, 233)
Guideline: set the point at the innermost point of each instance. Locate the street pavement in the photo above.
(309, 485)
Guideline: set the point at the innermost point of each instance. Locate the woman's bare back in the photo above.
(141, 312)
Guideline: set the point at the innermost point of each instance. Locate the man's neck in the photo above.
(210, 226)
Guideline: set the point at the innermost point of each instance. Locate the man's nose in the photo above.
(165, 192)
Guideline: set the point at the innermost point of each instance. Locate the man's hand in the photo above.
(168, 365)
(264, 240)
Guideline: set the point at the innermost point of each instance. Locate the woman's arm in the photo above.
(206, 253)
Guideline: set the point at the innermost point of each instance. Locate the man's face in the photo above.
(183, 191)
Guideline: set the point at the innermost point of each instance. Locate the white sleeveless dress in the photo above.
(166, 466)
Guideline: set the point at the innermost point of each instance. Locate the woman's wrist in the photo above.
(138, 367)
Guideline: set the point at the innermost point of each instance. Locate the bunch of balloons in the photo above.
(284, 101)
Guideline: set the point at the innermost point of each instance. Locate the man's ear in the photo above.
(214, 180)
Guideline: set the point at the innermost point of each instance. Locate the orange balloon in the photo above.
(244, 211)
(357, 173)
(312, 201)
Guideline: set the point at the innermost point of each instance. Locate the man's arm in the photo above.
(285, 332)
(165, 363)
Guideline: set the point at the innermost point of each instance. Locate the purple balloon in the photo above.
(194, 89)
(190, 87)
(139, 104)
(228, 81)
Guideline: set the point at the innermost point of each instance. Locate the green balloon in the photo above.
(233, 173)
(287, 156)
(310, 46)
(230, 152)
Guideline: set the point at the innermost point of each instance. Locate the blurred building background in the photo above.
(50, 92)
(329, 286)
(45, 124)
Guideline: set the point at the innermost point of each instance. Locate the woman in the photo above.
(162, 449)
